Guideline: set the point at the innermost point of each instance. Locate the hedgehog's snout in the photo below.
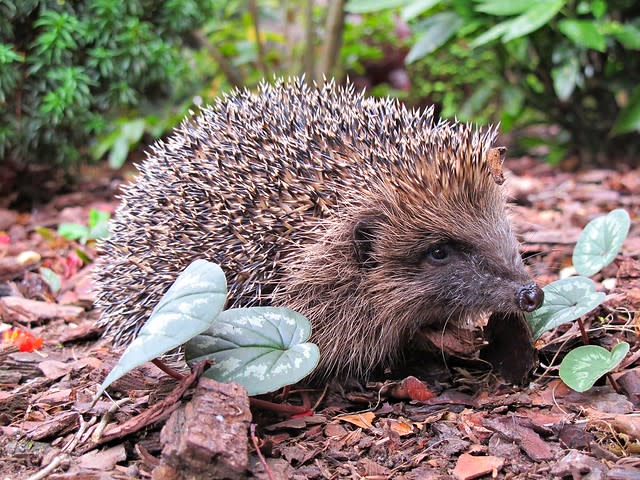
(529, 297)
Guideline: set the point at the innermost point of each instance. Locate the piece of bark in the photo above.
(512, 428)
(11, 268)
(628, 283)
(103, 460)
(7, 218)
(208, 437)
(22, 310)
(57, 425)
(578, 465)
(471, 466)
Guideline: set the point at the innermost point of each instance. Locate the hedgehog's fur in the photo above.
(324, 201)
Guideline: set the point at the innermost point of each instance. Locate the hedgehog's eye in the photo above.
(439, 254)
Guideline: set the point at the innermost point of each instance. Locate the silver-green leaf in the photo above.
(584, 365)
(600, 242)
(564, 301)
(262, 348)
(188, 308)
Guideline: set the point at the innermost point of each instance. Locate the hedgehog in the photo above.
(371, 219)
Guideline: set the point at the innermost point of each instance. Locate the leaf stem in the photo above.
(167, 369)
(614, 384)
(585, 337)
(277, 407)
(254, 440)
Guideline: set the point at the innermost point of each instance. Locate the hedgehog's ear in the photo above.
(364, 235)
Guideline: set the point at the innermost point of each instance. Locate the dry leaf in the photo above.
(362, 420)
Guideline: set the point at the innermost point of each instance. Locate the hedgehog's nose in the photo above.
(529, 297)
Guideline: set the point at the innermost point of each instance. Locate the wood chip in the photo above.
(471, 466)
(207, 438)
(22, 310)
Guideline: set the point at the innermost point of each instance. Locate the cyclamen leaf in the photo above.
(188, 308)
(600, 242)
(564, 301)
(584, 365)
(262, 348)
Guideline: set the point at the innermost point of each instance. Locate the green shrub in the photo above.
(571, 64)
(64, 65)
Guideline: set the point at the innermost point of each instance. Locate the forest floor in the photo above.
(474, 426)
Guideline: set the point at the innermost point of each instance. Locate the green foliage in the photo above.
(97, 227)
(194, 300)
(262, 348)
(52, 279)
(65, 66)
(377, 30)
(600, 242)
(564, 301)
(584, 365)
(572, 64)
(570, 298)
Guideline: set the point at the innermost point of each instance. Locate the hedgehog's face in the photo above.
(433, 274)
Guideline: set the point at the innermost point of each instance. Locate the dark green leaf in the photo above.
(534, 18)
(629, 36)
(512, 99)
(436, 30)
(490, 35)
(598, 8)
(417, 8)
(503, 7)
(584, 33)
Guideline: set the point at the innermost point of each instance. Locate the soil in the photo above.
(456, 420)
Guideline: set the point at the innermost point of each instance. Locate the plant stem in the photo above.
(232, 75)
(167, 369)
(277, 407)
(333, 32)
(309, 57)
(254, 440)
(614, 384)
(585, 337)
(255, 18)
